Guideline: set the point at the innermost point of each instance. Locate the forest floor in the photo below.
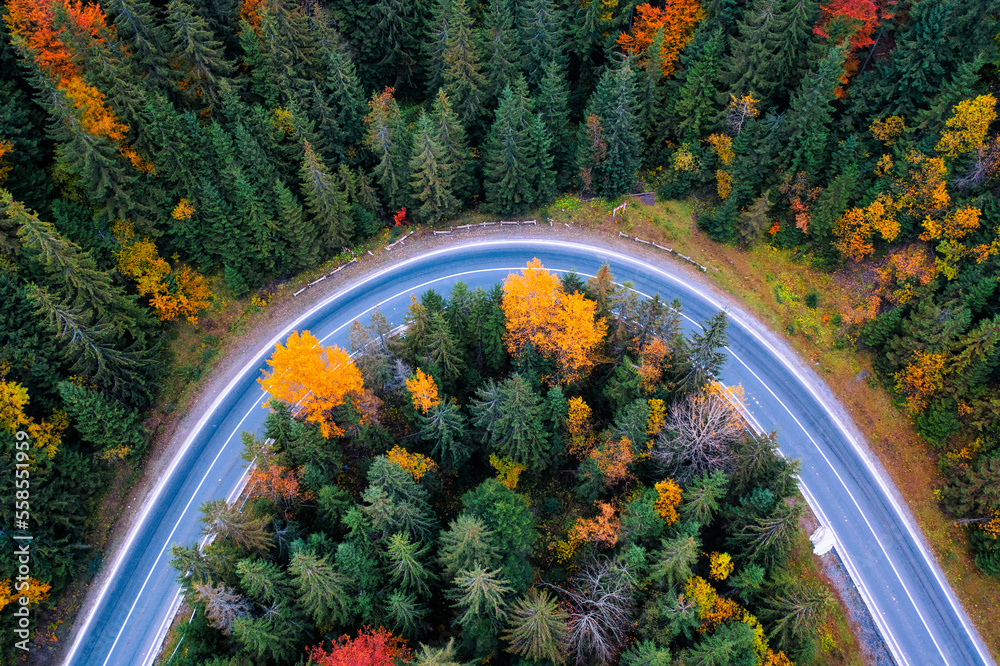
(767, 282)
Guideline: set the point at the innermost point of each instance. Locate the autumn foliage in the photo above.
(36, 592)
(38, 27)
(668, 498)
(371, 648)
(417, 464)
(556, 324)
(45, 434)
(423, 391)
(579, 427)
(174, 292)
(603, 529)
(678, 21)
(320, 379)
(651, 367)
(614, 459)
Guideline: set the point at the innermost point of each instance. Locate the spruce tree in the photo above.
(552, 103)
(136, 26)
(543, 185)
(462, 74)
(444, 428)
(390, 144)
(397, 27)
(810, 115)
(342, 91)
(405, 562)
(542, 38)
(263, 581)
(274, 636)
(748, 67)
(298, 232)
(197, 56)
(433, 175)
(466, 544)
(536, 627)
(326, 200)
(321, 589)
(404, 613)
(451, 135)
(509, 414)
(614, 105)
(509, 159)
(697, 107)
(102, 422)
(503, 54)
(439, 28)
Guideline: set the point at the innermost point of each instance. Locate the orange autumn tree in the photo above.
(922, 377)
(650, 368)
(423, 391)
(538, 312)
(614, 459)
(604, 529)
(37, 28)
(174, 292)
(377, 647)
(320, 379)
(856, 229)
(678, 21)
(417, 464)
(668, 498)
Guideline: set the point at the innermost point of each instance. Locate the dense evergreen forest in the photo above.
(546, 472)
(148, 145)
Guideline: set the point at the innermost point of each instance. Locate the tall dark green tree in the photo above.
(462, 75)
(389, 142)
(509, 414)
(326, 199)
(808, 124)
(433, 175)
(197, 56)
(509, 169)
(613, 104)
(502, 61)
(542, 38)
(697, 106)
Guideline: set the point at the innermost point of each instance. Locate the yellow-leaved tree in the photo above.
(562, 326)
(423, 391)
(318, 378)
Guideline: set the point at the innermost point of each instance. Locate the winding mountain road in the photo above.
(876, 537)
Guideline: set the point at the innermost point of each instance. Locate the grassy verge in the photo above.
(806, 305)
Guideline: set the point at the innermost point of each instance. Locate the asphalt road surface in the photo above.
(912, 604)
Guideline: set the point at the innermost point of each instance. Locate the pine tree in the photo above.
(102, 422)
(452, 137)
(342, 90)
(326, 199)
(442, 351)
(479, 594)
(747, 69)
(433, 175)
(322, 590)
(405, 613)
(614, 105)
(466, 544)
(462, 75)
(439, 28)
(136, 26)
(503, 54)
(442, 656)
(389, 143)
(510, 416)
(223, 605)
(298, 232)
(263, 581)
(542, 39)
(697, 105)
(793, 29)
(273, 636)
(552, 103)
(405, 565)
(652, 96)
(197, 55)
(536, 627)
(509, 159)
(810, 115)
(443, 426)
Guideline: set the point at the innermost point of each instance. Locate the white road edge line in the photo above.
(258, 359)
